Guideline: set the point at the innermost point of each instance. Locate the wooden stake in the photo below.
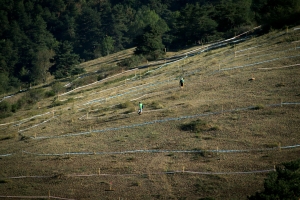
(279, 146)
(217, 150)
(274, 168)
(87, 115)
(183, 169)
(34, 135)
(99, 171)
(281, 102)
(219, 66)
(222, 109)
(49, 194)
(110, 186)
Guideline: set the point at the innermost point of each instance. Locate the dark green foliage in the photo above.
(196, 23)
(38, 37)
(89, 33)
(50, 93)
(77, 70)
(284, 183)
(132, 62)
(150, 43)
(5, 106)
(66, 61)
(277, 13)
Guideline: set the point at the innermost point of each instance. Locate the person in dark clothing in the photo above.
(181, 82)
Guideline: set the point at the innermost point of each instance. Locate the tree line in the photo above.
(44, 38)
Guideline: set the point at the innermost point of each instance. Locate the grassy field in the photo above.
(236, 118)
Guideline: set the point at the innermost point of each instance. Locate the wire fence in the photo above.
(161, 121)
(183, 171)
(35, 197)
(187, 54)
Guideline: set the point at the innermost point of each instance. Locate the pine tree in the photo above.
(150, 43)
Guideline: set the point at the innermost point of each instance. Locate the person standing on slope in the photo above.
(141, 106)
(181, 82)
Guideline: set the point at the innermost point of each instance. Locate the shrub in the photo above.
(258, 107)
(5, 106)
(57, 87)
(281, 184)
(50, 93)
(132, 61)
(34, 95)
(4, 115)
(102, 76)
(77, 70)
(127, 104)
(195, 126)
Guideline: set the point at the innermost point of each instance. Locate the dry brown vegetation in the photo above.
(236, 99)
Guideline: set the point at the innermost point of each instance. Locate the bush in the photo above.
(132, 61)
(284, 183)
(4, 115)
(5, 106)
(102, 76)
(57, 87)
(34, 95)
(195, 126)
(50, 93)
(127, 104)
(77, 70)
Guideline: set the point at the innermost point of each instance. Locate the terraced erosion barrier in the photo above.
(160, 121)
(153, 122)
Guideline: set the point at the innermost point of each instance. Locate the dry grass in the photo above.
(105, 115)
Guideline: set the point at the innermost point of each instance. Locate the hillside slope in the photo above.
(236, 117)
